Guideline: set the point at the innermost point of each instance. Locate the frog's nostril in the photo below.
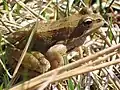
(105, 24)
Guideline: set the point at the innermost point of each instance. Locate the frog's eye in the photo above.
(87, 22)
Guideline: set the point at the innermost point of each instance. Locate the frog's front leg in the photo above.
(33, 60)
(55, 55)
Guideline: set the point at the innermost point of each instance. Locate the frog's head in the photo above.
(91, 23)
(88, 23)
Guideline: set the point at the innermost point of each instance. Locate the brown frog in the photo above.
(53, 39)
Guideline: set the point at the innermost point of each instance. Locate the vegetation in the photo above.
(93, 66)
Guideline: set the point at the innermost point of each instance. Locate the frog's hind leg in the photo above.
(33, 60)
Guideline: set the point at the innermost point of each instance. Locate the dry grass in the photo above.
(95, 66)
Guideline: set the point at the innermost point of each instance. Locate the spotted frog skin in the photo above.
(52, 40)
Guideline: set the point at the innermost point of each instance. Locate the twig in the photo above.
(66, 67)
(25, 49)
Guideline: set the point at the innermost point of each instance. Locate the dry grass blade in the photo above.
(5, 69)
(25, 50)
(104, 38)
(46, 83)
(70, 73)
(80, 70)
(63, 75)
(112, 78)
(70, 66)
(30, 10)
(10, 30)
(99, 52)
(46, 7)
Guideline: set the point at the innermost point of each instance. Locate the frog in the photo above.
(53, 39)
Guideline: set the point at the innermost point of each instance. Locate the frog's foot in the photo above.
(44, 64)
(33, 61)
(55, 55)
